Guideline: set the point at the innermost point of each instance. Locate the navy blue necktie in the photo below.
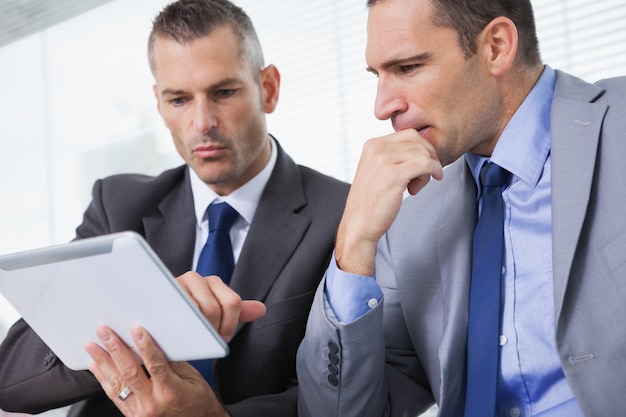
(484, 311)
(216, 258)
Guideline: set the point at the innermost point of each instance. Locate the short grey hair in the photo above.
(187, 20)
(469, 17)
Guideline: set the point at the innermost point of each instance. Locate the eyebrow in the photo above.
(401, 61)
(220, 84)
(171, 92)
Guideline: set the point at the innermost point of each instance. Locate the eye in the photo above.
(407, 69)
(225, 92)
(177, 101)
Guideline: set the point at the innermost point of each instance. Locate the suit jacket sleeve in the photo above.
(32, 378)
(375, 361)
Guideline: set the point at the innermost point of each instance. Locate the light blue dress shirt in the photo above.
(531, 381)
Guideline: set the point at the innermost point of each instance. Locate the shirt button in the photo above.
(372, 302)
(514, 412)
(503, 340)
(503, 270)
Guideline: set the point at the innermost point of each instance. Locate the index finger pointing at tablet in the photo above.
(251, 310)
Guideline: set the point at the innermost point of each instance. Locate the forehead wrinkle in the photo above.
(393, 28)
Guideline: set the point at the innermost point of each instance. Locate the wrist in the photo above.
(354, 253)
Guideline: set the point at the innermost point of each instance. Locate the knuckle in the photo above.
(212, 311)
(116, 385)
(129, 374)
(112, 345)
(232, 302)
(371, 146)
(157, 368)
(213, 280)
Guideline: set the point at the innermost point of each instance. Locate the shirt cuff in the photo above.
(350, 296)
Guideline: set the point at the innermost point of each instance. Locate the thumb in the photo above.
(251, 310)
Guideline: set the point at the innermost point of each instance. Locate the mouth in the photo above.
(423, 131)
(209, 151)
(399, 125)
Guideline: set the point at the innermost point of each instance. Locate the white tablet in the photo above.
(64, 292)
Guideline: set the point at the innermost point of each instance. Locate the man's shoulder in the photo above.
(614, 94)
(142, 181)
(618, 83)
(130, 189)
(310, 175)
(323, 189)
(304, 185)
(286, 168)
(610, 90)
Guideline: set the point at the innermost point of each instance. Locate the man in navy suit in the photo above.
(213, 91)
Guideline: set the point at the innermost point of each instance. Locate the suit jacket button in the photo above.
(332, 379)
(334, 359)
(333, 369)
(332, 346)
(49, 359)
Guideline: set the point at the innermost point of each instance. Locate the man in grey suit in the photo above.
(213, 91)
(462, 83)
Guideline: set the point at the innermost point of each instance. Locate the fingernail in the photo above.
(89, 349)
(103, 333)
(136, 333)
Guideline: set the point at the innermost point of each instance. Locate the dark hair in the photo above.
(187, 20)
(469, 17)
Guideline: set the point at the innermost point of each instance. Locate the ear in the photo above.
(269, 80)
(498, 41)
(156, 95)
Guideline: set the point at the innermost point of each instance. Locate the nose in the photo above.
(204, 117)
(389, 100)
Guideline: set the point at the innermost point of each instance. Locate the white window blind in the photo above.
(79, 102)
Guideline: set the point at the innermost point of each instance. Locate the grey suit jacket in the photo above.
(410, 351)
(282, 261)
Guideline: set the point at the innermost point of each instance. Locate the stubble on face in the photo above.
(234, 166)
(218, 127)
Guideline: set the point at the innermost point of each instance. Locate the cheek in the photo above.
(171, 121)
(181, 148)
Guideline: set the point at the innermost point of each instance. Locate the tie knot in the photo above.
(221, 217)
(493, 175)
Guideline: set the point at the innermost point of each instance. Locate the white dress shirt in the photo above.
(244, 199)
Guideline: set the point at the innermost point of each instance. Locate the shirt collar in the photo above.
(524, 145)
(244, 199)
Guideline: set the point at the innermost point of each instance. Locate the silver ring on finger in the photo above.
(125, 393)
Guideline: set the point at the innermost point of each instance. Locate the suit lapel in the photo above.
(274, 235)
(576, 123)
(454, 244)
(170, 228)
(275, 232)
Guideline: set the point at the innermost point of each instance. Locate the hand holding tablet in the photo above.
(65, 292)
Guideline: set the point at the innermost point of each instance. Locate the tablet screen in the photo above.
(64, 292)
